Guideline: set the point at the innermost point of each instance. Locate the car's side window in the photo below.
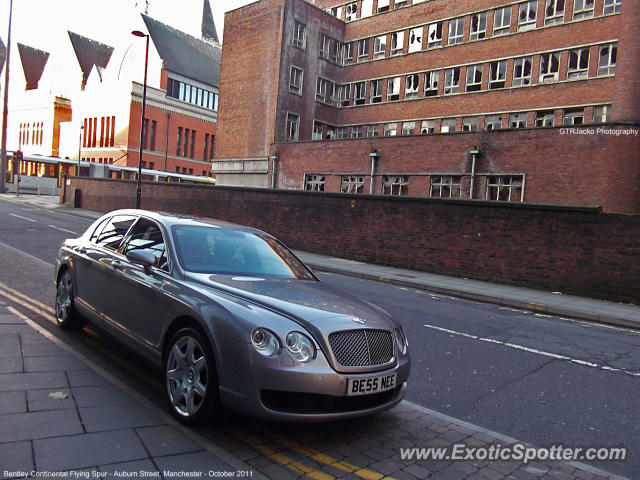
(114, 231)
(146, 235)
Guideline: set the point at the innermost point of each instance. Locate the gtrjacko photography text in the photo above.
(123, 474)
(517, 452)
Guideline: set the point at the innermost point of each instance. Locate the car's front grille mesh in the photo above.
(362, 347)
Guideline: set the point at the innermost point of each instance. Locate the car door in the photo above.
(135, 303)
(90, 265)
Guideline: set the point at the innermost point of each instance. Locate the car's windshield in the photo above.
(214, 250)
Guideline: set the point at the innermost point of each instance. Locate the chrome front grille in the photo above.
(362, 347)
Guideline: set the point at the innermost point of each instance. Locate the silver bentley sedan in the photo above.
(232, 317)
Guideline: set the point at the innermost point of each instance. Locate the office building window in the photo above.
(375, 92)
(583, 9)
(545, 118)
(152, 135)
(373, 130)
(601, 114)
(379, 46)
(299, 35)
(356, 131)
(393, 88)
(474, 78)
(578, 63)
(390, 129)
(573, 116)
(408, 128)
(292, 127)
(522, 71)
(295, 80)
(478, 26)
(449, 186)
(452, 81)
(470, 124)
(396, 185)
(497, 74)
(448, 125)
(611, 6)
(363, 50)
(427, 127)
(492, 122)
(397, 43)
(553, 12)
(415, 39)
(456, 30)
(527, 13)
(350, 184)
(501, 21)
(431, 80)
(179, 141)
(314, 183)
(607, 59)
(359, 93)
(434, 38)
(347, 53)
(505, 188)
(317, 131)
(411, 85)
(549, 67)
(518, 120)
(325, 46)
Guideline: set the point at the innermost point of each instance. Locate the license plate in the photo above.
(364, 386)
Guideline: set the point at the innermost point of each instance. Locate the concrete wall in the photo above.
(572, 250)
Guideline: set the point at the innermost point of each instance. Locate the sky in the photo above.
(39, 23)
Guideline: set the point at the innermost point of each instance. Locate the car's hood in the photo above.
(308, 301)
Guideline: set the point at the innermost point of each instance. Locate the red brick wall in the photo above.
(572, 250)
(583, 169)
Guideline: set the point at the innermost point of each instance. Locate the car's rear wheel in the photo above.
(191, 382)
(66, 315)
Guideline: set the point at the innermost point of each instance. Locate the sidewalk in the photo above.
(519, 297)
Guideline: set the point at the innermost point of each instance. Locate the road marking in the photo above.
(27, 302)
(64, 230)
(23, 218)
(534, 351)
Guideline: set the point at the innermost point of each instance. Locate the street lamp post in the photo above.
(138, 33)
(5, 109)
(80, 147)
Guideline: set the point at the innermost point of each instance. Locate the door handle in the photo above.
(117, 265)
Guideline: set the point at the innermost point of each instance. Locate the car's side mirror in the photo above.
(142, 257)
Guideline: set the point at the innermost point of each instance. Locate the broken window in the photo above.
(545, 118)
(607, 59)
(408, 128)
(375, 92)
(501, 21)
(331, 133)
(333, 91)
(448, 125)
(549, 67)
(341, 133)
(397, 43)
(398, 185)
(497, 74)
(611, 6)
(411, 85)
(478, 26)
(399, 4)
(431, 80)
(379, 46)
(522, 71)
(527, 14)
(299, 35)
(351, 12)
(345, 95)
(505, 188)
(356, 131)
(363, 50)
(573, 116)
(427, 127)
(383, 6)
(583, 9)
(295, 80)
(518, 120)
(336, 53)
(373, 130)
(390, 129)
(325, 46)
(292, 127)
(415, 39)
(347, 53)
(474, 78)
(314, 183)
(452, 81)
(321, 89)
(318, 131)
(446, 186)
(456, 30)
(359, 93)
(492, 122)
(435, 35)
(470, 124)
(352, 184)
(578, 63)
(553, 12)
(393, 88)
(601, 114)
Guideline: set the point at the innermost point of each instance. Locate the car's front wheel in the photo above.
(66, 315)
(190, 378)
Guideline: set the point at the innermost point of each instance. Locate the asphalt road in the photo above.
(488, 365)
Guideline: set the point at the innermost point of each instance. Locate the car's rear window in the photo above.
(224, 251)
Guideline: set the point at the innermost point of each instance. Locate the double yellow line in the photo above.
(33, 305)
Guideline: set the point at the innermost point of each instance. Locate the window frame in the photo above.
(456, 31)
(481, 31)
(529, 23)
(292, 124)
(502, 28)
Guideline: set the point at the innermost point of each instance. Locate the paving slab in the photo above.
(31, 425)
(165, 440)
(17, 459)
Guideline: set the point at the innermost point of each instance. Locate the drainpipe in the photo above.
(474, 152)
(274, 163)
(166, 141)
(374, 156)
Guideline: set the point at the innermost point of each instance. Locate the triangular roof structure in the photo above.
(208, 27)
(202, 63)
(89, 53)
(3, 55)
(33, 63)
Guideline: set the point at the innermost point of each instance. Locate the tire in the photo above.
(66, 315)
(190, 378)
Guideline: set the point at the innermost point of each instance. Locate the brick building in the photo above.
(523, 101)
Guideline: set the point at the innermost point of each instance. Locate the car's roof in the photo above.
(171, 219)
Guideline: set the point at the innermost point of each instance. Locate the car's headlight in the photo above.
(300, 347)
(265, 342)
(401, 341)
